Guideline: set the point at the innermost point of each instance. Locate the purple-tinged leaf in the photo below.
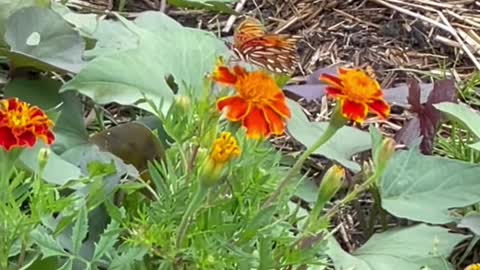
(427, 118)
(307, 91)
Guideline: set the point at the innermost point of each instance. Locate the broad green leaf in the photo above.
(129, 76)
(463, 114)
(41, 38)
(48, 245)
(42, 92)
(68, 265)
(108, 239)
(70, 130)
(408, 248)
(80, 230)
(471, 222)
(341, 147)
(57, 171)
(41, 264)
(424, 188)
(216, 5)
(8, 7)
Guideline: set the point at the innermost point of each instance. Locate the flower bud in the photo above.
(383, 154)
(183, 102)
(331, 183)
(224, 149)
(42, 157)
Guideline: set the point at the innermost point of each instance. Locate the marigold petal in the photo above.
(256, 124)
(274, 120)
(380, 107)
(334, 92)
(353, 110)
(7, 139)
(222, 75)
(279, 105)
(331, 80)
(239, 71)
(27, 138)
(237, 109)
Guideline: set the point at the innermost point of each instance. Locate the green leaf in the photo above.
(463, 114)
(424, 188)
(48, 245)
(408, 248)
(341, 147)
(214, 5)
(68, 265)
(70, 130)
(108, 239)
(471, 222)
(126, 259)
(125, 77)
(80, 230)
(8, 7)
(261, 219)
(58, 46)
(42, 92)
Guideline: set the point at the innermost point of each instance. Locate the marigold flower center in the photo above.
(358, 86)
(224, 148)
(256, 87)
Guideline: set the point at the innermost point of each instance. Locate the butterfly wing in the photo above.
(247, 30)
(276, 53)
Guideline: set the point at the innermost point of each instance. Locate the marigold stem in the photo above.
(335, 124)
(194, 205)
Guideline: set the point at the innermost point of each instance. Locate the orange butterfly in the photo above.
(277, 53)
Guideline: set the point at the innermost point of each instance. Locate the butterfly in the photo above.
(276, 53)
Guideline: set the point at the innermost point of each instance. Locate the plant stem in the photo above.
(350, 196)
(194, 204)
(332, 128)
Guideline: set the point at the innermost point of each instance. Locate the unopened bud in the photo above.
(183, 102)
(384, 153)
(331, 183)
(43, 156)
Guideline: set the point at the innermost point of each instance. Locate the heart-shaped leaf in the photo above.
(41, 38)
(425, 188)
(129, 76)
(408, 248)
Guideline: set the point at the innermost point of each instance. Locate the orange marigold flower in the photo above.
(259, 103)
(358, 93)
(21, 125)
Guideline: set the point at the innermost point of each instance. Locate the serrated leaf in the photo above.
(59, 46)
(408, 248)
(48, 245)
(129, 76)
(108, 239)
(126, 259)
(341, 147)
(80, 230)
(425, 188)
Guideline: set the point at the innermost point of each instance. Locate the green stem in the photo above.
(7, 167)
(334, 125)
(350, 196)
(194, 205)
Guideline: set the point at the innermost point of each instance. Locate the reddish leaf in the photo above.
(427, 118)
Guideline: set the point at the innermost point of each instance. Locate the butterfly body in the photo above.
(277, 53)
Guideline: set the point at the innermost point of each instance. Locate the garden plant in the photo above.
(141, 143)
